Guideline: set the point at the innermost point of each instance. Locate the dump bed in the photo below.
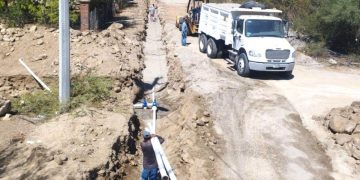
(216, 20)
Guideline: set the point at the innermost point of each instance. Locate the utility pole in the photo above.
(64, 53)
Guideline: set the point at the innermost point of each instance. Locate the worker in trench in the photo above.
(150, 166)
(152, 12)
(184, 31)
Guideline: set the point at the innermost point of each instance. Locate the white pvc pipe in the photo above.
(159, 152)
(156, 145)
(159, 159)
(154, 119)
(138, 106)
(34, 75)
(154, 108)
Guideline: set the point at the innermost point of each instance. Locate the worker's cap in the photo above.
(147, 134)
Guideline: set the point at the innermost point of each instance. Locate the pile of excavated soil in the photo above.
(191, 144)
(344, 125)
(86, 144)
(13, 86)
(107, 53)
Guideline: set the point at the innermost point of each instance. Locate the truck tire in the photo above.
(242, 65)
(203, 43)
(211, 49)
(221, 48)
(287, 74)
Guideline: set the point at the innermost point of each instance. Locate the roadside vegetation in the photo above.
(332, 24)
(19, 13)
(87, 90)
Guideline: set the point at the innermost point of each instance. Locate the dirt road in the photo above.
(266, 122)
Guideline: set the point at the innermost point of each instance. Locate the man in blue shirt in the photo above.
(184, 32)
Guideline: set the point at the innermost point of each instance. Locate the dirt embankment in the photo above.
(83, 145)
(87, 143)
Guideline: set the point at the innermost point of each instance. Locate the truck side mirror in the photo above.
(286, 27)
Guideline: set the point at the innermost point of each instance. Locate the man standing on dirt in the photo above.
(184, 31)
(150, 166)
(152, 10)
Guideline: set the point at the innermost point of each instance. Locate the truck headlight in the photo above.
(254, 53)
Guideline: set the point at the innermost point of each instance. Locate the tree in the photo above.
(20, 12)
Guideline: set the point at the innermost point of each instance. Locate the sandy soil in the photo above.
(313, 92)
(87, 143)
(71, 146)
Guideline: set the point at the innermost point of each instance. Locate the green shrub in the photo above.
(18, 13)
(37, 103)
(87, 90)
(316, 49)
(354, 58)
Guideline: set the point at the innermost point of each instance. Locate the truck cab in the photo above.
(255, 38)
(262, 39)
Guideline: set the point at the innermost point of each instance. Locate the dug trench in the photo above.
(191, 143)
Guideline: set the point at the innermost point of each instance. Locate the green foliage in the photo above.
(37, 103)
(338, 22)
(18, 13)
(87, 90)
(316, 49)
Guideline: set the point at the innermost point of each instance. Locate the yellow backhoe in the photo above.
(193, 14)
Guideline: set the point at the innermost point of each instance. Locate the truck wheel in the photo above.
(211, 49)
(202, 43)
(287, 74)
(242, 65)
(221, 47)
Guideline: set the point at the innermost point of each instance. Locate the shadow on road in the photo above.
(270, 76)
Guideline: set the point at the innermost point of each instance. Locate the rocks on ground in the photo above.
(82, 146)
(344, 124)
(5, 107)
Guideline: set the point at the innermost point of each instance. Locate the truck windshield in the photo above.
(261, 28)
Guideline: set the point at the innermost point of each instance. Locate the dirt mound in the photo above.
(73, 146)
(193, 147)
(105, 53)
(344, 124)
(88, 143)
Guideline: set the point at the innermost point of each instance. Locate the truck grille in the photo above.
(277, 54)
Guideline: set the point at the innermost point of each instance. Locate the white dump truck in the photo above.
(253, 37)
